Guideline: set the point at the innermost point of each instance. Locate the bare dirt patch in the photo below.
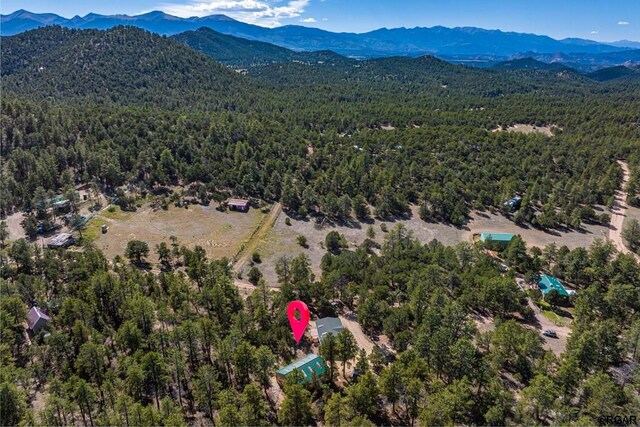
(483, 221)
(14, 226)
(219, 233)
(527, 129)
(281, 240)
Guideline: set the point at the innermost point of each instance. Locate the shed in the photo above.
(37, 319)
(241, 205)
(310, 365)
(61, 240)
(328, 325)
(513, 204)
(548, 283)
(499, 238)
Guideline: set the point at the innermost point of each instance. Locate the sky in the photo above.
(601, 20)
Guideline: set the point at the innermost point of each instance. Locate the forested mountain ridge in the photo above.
(443, 115)
(236, 51)
(531, 64)
(612, 73)
(122, 65)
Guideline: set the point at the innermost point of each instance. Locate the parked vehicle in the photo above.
(550, 333)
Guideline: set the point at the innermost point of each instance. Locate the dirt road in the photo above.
(618, 213)
(256, 238)
(557, 345)
(362, 340)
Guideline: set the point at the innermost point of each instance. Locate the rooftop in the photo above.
(34, 315)
(60, 239)
(548, 283)
(240, 202)
(328, 325)
(308, 365)
(496, 237)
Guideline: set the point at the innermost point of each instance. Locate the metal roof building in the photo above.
(496, 237)
(310, 365)
(238, 204)
(37, 319)
(548, 283)
(328, 325)
(62, 240)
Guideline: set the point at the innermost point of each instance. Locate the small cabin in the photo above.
(513, 204)
(62, 240)
(37, 319)
(241, 205)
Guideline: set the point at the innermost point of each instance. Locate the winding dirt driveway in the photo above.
(618, 213)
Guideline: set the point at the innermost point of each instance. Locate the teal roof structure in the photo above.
(548, 283)
(309, 365)
(496, 237)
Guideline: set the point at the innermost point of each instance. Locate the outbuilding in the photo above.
(62, 240)
(501, 239)
(513, 204)
(241, 205)
(37, 319)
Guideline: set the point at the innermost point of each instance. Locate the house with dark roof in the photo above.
(328, 325)
(37, 319)
(310, 365)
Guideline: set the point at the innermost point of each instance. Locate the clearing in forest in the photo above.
(282, 239)
(527, 129)
(219, 233)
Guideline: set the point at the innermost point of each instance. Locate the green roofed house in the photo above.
(502, 239)
(309, 365)
(548, 283)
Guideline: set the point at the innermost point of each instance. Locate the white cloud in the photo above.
(325, 19)
(262, 12)
(623, 23)
(594, 32)
(308, 20)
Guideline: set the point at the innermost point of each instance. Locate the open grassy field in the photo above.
(220, 233)
(281, 240)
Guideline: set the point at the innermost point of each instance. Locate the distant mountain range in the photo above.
(382, 42)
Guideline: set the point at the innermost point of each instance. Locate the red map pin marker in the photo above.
(298, 326)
